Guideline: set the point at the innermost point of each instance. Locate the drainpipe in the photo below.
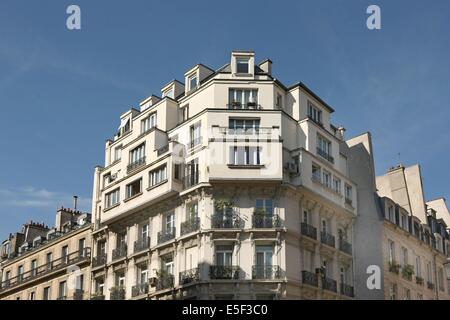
(436, 289)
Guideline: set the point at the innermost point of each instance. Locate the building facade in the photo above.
(231, 185)
(40, 263)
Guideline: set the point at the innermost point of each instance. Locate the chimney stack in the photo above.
(75, 202)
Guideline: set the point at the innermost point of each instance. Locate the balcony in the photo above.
(325, 155)
(344, 246)
(165, 282)
(347, 290)
(99, 260)
(329, 284)
(419, 281)
(97, 296)
(232, 221)
(119, 253)
(430, 285)
(327, 239)
(310, 278)
(224, 272)
(190, 225)
(139, 290)
(266, 221)
(245, 106)
(191, 180)
(47, 268)
(189, 276)
(266, 272)
(78, 295)
(167, 235)
(308, 230)
(394, 267)
(136, 164)
(141, 244)
(117, 293)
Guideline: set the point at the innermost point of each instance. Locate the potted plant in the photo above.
(394, 267)
(407, 271)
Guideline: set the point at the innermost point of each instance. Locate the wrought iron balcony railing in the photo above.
(347, 290)
(117, 293)
(247, 106)
(345, 246)
(191, 180)
(329, 284)
(327, 239)
(266, 272)
(139, 289)
(221, 221)
(224, 272)
(119, 253)
(167, 235)
(325, 155)
(136, 164)
(165, 282)
(189, 276)
(246, 131)
(141, 244)
(190, 225)
(308, 230)
(46, 268)
(310, 278)
(99, 260)
(78, 294)
(266, 221)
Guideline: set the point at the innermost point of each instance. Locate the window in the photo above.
(191, 173)
(324, 226)
(323, 147)
(391, 245)
(169, 222)
(79, 282)
(243, 126)
(264, 256)
(391, 214)
(418, 267)
(316, 173)
(404, 256)
(121, 240)
(326, 179)
(82, 247)
(167, 264)
(169, 93)
(429, 274)
(177, 171)
(144, 231)
(20, 273)
(134, 188)
(243, 98)
(185, 112)
(99, 286)
(242, 65)
(46, 294)
(148, 123)
(62, 292)
(195, 135)
(441, 279)
(120, 279)
(224, 255)
(393, 291)
(65, 254)
(343, 275)
(314, 113)
(193, 82)
(49, 260)
(33, 295)
(6, 280)
(337, 185)
(158, 175)
(117, 153)
(404, 221)
(348, 193)
(279, 101)
(33, 267)
(407, 294)
(112, 198)
(142, 274)
(265, 204)
(245, 156)
(137, 154)
(192, 211)
(305, 216)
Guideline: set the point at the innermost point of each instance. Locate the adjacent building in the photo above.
(42, 263)
(230, 185)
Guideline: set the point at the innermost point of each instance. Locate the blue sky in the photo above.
(61, 91)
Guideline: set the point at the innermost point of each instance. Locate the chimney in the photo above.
(75, 202)
(266, 66)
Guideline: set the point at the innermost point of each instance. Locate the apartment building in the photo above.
(230, 185)
(42, 263)
(399, 238)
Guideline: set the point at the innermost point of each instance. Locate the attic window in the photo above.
(242, 65)
(193, 82)
(169, 93)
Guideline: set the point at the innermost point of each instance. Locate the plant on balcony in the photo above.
(419, 280)
(220, 204)
(160, 274)
(258, 212)
(394, 267)
(116, 289)
(408, 271)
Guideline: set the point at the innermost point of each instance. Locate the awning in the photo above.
(123, 123)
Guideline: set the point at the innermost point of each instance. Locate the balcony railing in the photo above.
(189, 276)
(430, 285)
(308, 230)
(347, 290)
(310, 278)
(59, 264)
(325, 155)
(327, 239)
(246, 131)
(344, 246)
(165, 282)
(266, 221)
(419, 281)
(266, 272)
(141, 244)
(329, 284)
(117, 293)
(136, 164)
(139, 289)
(167, 235)
(78, 294)
(99, 260)
(191, 180)
(246, 106)
(221, 221)
(98, 296)
(224, 272)
(119, 253)
(190, 225)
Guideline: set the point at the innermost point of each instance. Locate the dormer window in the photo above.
(314, 113)
(193, 82)
(168, 93)
(124, 127)
(242, 65)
